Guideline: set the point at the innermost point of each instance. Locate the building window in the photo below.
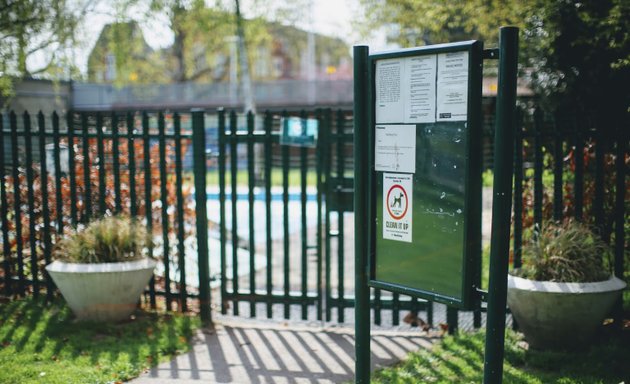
(110, 67)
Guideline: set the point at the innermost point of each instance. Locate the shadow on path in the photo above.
(269, 352)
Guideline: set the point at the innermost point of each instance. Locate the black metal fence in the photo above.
(279, 218)
(567, 166)
(63, 173)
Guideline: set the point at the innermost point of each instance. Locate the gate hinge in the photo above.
(483, 295)
(492, 53)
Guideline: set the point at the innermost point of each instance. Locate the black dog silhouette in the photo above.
(397, 200)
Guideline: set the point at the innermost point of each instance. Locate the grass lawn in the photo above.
(41, 343)
(212, 178)
(459, 359)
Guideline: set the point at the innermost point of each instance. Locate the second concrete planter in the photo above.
(560, 315)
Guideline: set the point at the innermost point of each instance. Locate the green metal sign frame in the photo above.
(457, 259)
(364, 208)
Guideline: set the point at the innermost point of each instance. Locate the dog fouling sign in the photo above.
(397, 206)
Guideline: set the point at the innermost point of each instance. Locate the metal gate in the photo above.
(286, 221)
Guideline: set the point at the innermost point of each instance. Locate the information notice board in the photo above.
(426, 177)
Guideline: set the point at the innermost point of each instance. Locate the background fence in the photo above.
(63, 173)
(279, 219)
(568, 166)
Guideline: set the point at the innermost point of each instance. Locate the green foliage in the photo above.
(576, 53)
(459, 359)
(580, 55)
(134, 61)
(40, 343)
(108, 240)
(42, 28)
(212, 177)
(432, 22)
(565, 252)
(487, 178)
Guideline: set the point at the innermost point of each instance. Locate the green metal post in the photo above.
(45, 210)
(102, 177)
(518, 190)
(222, 198)
(164, 200)
(57, 167)
(304, 270)
(538, 167)
(201, 199)
(620, 199)
(4, 215)
(341, 257)
(501, 207)
(268, 240)
(116, 163)
(452, 320)
(326, 143)
(72, 169)
(558, 163)
(578, 181)
(285, 227)
(318, 166)
(131, 150)
(17, 203)
(30, 196)
(146, 138)
(361, 170)
(233, 183)
(395, 309)
(181, 235)
(250, 206)
(87, 187)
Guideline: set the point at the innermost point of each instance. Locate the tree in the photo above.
(204, 40)
(200, 47)
(576, 52)
(424, 22)
(580, 55)
(121, 55)
(46, 28)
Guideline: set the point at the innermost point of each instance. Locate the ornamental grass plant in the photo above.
(110, 239)
(566, 252)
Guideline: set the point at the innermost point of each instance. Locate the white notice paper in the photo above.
(397, 206)
(452, 86)
(389, 101)
(395, 148)
(419, 86)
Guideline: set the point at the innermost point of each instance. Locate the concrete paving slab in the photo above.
(263, 352)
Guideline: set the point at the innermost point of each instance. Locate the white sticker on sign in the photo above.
(395, 148)
(452, 86)
(419, 89)
(389, 100)
(397, 206)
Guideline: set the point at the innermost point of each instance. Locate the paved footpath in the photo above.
(254, 351)
(243, 351)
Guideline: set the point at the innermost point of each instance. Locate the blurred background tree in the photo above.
(45, 29)
(579, 55)
(424, 22)
(576, 54)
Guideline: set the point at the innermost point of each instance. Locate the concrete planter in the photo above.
(560, 315)
(102, 292)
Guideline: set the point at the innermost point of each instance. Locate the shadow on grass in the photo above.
(605, 360)
(33, 332)
(461, 358)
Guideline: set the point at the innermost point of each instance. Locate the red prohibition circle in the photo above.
(397, 186)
